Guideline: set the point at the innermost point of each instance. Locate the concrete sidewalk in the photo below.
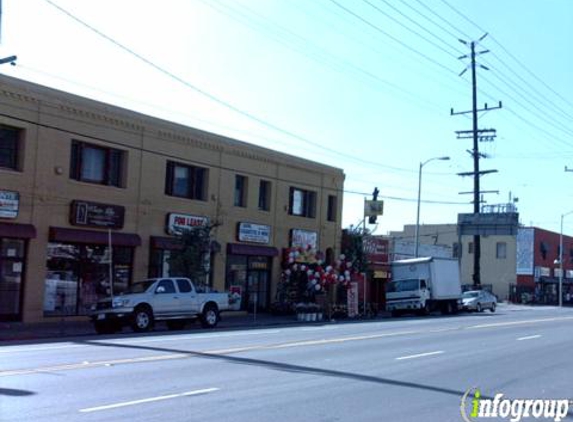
(60, 328)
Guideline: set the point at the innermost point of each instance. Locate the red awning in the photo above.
(60, 234)
(238, 249)
(22, 231)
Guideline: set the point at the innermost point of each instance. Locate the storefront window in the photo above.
(79, 275)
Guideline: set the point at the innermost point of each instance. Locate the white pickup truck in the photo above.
(174, 300)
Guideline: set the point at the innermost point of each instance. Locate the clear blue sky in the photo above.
(364, 85)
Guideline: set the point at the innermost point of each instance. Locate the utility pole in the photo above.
(477, 135)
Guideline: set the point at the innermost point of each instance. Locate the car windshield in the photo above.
(403, 285)
(139, 287)
(468, 295)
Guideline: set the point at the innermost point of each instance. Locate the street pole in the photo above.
(561, 259)
(561, 263)
(417, 230)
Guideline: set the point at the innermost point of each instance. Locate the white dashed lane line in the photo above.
(528, 338)
(421, 355)
(148, 400)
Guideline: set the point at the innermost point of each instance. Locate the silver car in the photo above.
(478, 300)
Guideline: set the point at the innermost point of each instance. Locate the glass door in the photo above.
(11, 269)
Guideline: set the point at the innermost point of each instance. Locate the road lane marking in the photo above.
(528, 337)
(148, 400)
(508, 324)
(421, 355)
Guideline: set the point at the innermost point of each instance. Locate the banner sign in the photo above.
(303, 239)
(179, 223)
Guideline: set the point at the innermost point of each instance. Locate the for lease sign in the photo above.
(178, 223)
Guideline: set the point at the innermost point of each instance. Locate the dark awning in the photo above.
(554, 280)
(238, 249)
(60, 234)
(22, 231)
(162, 242)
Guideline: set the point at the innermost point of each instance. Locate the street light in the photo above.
(419, 196)
(561, 259)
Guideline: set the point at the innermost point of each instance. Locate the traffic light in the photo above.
(372, 218)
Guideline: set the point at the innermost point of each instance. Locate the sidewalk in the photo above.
(16, 331)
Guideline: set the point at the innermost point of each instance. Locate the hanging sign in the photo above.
(256, 233)
(303, 239)
(179, 223)
(94, 214)
(9, 204)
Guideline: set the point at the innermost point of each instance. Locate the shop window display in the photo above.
(78, 276)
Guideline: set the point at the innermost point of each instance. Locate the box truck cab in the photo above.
(424, 285)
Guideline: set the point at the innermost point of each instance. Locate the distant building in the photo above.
(524, 267)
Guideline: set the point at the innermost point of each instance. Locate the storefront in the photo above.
(82, 268)
(13, 253)
(248, 275)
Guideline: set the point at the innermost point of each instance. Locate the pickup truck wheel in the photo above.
(492, 309)
(210, 316)
(142, 319)
(176, 325)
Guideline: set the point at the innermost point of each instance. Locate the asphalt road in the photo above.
(406, 369)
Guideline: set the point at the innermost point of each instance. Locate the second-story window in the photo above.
(10, 139)
(97, 164)
(501, 250)
(240, 191)
(302, 203)
(265, 195)
(332, 206)
(186, 181)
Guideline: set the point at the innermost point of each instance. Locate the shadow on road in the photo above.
(15, 393)
(285, 367)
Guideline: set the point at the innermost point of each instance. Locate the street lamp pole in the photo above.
(417, 234)
(561, 259)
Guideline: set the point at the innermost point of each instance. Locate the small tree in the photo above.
(193, 259)
(353, 247)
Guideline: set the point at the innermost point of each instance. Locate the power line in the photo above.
(410, 29)
(387, 34)
(213, 97)
(524, 67)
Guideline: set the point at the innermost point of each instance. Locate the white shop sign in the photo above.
(9, 204)
(179, 223)
(256, 233)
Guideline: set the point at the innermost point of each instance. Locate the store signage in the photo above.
(373, 208)
(93, 214)
(303, 239)
(9, 204)
(256, 233)
(179, 223)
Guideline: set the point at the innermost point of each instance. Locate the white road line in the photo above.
(528, 337)
(511, 323)
(421, 355)
(148, 400)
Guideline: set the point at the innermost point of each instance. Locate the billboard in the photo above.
(503, 224)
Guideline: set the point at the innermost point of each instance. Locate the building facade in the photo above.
(77, 176)
(498, 253)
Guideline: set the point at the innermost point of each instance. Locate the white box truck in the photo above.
(424, 285)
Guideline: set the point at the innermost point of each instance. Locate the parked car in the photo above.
(478, 300)
(174, 300)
